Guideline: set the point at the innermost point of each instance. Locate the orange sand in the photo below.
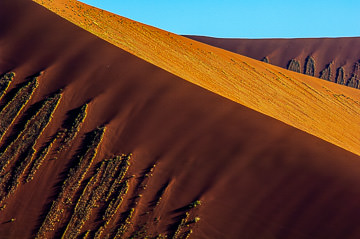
(320, 108)
(256, 176)
(341, 52)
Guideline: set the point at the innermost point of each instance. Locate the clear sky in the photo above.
(243, 18)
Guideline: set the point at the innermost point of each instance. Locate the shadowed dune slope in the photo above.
(335, 53)
(255, 177)
(320, 108)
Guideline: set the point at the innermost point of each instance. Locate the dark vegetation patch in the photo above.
(265, 59)
(294, 65)
(326, 74)
(309, 66)
(5, 81)
(354, 79)
(107, 198)
(340, 76)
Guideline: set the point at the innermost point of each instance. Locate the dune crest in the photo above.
(332, 59)
(323, 109)
(97, 143)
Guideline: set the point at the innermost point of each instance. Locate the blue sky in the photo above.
(243, 19)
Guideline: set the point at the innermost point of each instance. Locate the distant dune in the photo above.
(333, 59)
(98, 143)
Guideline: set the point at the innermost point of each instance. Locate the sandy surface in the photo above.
(317, 107)
(342, 52)
(255, 176)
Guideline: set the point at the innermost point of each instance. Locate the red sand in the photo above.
(341, 51)
(256, 177)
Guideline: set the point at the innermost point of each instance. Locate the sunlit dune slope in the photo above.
(97, 143)
(316, 56)
(324, 109)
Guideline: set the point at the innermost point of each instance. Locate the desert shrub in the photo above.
(13, 107)
(353, 82)
(340, 76)
(73, 181)
(354, 79)
(309, 66)
(71, 127)
(94, 193)
(86, 234)
(159, 194)
(265, 59)
(63, 137)
(5, 81)
(84, 160)
(20, 151)
(83, 208)
(161, 236)
(294, 65)
(121, 230)
(356, 70)
(180, 226)
(124, 166)
(183, 226)
(326, 73)
(115, 203)
(39, 158)
(140, 233)
(187, 234)
(195, 204)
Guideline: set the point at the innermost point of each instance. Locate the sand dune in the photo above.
(327, 53)
(242, 173)
(321, 108)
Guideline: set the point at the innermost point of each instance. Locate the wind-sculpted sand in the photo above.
(322, 108)
(107, 145)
